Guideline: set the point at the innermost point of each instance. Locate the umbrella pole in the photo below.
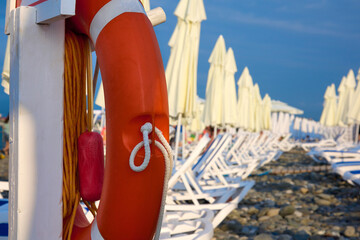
(215, 131)
(183, 153)
(357, 134)
(177, 139)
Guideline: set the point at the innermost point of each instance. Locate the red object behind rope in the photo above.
(91, 165)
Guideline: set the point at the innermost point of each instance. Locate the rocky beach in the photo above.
(283, 205)
(288, 204)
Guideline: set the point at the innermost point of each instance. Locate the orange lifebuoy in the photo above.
(135, 93)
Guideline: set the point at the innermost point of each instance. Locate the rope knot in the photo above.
(147, 127)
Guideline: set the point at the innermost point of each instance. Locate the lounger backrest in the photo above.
(222, 145)
(190, 160)
(239, 141)
(208, 152)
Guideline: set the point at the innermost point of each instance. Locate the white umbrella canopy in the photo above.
(325, 108)
(215, 84)
(278, 106)
(296, 127)
(6, 69)
(354, 112)
(346, 92)
(331, 111)
(285, 126)
(257, 108)
(304, 127)
(197, 124)
(266, 110)
(297, 123)
(245, 85)
(280, 121)
(341, 97)
(181, 70)
(146, 4)
(274, 120)
(229, 103)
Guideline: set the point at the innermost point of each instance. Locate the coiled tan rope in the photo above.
(77, 63)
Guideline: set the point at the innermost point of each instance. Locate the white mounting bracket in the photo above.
(49, 11)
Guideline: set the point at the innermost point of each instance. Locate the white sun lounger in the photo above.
(187, 194)
(182, 225)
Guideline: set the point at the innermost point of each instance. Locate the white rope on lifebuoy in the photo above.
(168, 168)
(167, 146)
(145, 129)
(165, 149)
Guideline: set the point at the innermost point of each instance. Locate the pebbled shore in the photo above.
(306, 205)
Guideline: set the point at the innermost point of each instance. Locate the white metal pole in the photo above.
(177, 136)
(183, 152)
(215, 131)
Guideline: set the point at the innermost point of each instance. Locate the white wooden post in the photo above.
(36, 115)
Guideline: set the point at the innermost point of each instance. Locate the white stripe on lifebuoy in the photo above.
(110, 11)
(95, 233)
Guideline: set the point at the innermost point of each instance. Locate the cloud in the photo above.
(282, 24)
(328, 28)
(292, 26)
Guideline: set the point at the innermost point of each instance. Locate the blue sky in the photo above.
(293, 49)
(4, 99)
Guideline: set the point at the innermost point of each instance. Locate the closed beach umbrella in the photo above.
(245, 89)
(325, 106)
(280, 123)
(266, 109)
(346, 92)
(341, 93)
(257, 108)
(197, 124)
(274, 120)
(354, 113)
(6, 69)
(229, 104)
(215, 84)
(146, 4)
(296, 127)
(181, 70)
(252, 107)
(331, 111)
(285, 126)
(304, 127)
